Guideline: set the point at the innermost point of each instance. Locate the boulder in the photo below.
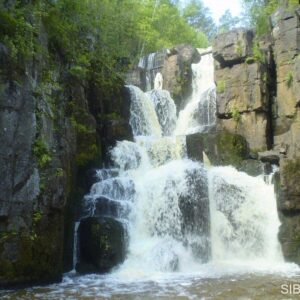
(101, 245)
(252, 167)
(194, 207)
(233, 47)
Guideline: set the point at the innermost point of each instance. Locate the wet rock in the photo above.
(220, 148)
(101, 245)
(271, 156)
(252, 167)
(194, 207)
(177, 73)
(90, 178)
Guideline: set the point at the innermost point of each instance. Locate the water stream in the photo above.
(194, 232)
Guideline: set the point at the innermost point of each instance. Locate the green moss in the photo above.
(250, 60)
(258, 54)
(236, 115)
(291, 170)
(59, 172)
(38, 252)
(42, 153)
(113, 116)
(221, 148)
(87, 155)
(239, 49)
(81, 127)
(265, 78)
(221, 85)
(289, 78)
(232, 148)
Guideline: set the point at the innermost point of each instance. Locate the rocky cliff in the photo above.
(258, 86)
(54, 125)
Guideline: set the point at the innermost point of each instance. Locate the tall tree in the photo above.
(199, 16)
(227, 22)
(257, 12)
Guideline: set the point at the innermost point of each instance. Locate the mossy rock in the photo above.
(38, 256)
(221, 148)
(290, 174)
(101, 245)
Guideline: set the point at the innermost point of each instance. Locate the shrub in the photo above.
(221, 86)
(289, 78)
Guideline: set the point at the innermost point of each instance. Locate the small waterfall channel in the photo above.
(179, 214)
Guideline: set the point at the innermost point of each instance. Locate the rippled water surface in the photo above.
(212, 282)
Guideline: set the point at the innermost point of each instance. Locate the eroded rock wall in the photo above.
(258, 97)
(241, 79)
(53, 126)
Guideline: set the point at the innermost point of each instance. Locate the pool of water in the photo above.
(211, 282)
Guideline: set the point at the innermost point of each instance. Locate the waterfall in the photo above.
(200, 112)
(178, 213)
(244, 220)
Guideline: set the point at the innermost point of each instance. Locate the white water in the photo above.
(199, 113)
(181, 216)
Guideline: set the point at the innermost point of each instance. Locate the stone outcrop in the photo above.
(101, 245)
(243, 97)
(233, 47)
(258, 98)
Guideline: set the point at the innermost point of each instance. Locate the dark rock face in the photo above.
(52, 129)
(101, 245)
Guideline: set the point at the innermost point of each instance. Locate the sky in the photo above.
(218, 7)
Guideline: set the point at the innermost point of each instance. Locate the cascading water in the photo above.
(199, 115)
(244, 218)
(179, 214)
(193, 231)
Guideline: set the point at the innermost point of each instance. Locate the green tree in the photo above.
(228, 22)
(199, 17)
(257, 12)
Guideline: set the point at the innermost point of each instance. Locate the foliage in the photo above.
(221, 86)
(239, 48)
(228, 22)
(258, 55)
(90, 35)
(236, 115)
(289, 78)
(41, 151)
(250, 60)
(199, 17)
(257, 13)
